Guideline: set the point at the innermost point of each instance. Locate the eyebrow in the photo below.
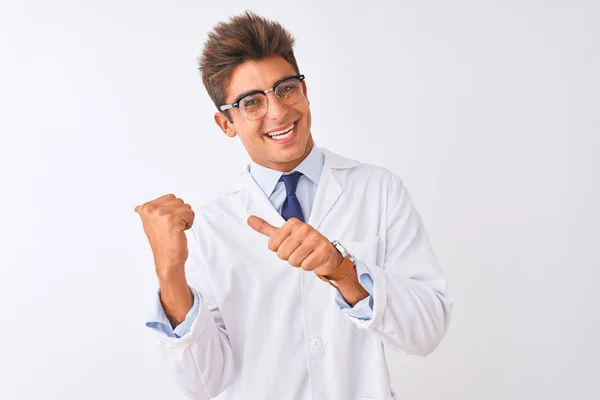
(249, 92)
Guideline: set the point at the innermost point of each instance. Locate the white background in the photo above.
(487, 110)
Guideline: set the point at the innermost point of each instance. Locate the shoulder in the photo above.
(359, 172)
(218, 205)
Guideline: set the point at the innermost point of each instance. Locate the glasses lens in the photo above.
(254, 106)
(289, 91)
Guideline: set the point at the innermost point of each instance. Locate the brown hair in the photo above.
(245, 37)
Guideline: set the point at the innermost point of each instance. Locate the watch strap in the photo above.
(340, 272)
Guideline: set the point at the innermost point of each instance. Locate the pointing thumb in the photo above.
(261, 226)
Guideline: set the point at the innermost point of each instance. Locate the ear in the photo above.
(224, 124)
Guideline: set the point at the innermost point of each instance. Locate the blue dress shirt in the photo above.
(268, 180)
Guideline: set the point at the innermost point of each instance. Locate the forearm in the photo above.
(176, 297)
(351, 289)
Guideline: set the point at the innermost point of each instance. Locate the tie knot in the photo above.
(291, 182)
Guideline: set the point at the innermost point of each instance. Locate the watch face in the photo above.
(340, 248)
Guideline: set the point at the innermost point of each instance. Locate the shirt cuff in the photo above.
(362, 310)
(158, 321)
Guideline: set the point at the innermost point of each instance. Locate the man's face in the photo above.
(287, 151)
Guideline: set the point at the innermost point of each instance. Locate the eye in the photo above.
(286, 89)
(252, 101)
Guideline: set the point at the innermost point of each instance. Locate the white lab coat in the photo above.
(267, 330)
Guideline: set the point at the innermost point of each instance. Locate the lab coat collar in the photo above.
(328, 191)
(267, 179)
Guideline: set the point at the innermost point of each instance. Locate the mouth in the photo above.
(284, 135)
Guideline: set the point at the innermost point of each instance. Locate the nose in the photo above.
(276, 110)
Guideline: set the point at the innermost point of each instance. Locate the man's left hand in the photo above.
(300, 245)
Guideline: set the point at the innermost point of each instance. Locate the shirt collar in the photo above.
(311, 167)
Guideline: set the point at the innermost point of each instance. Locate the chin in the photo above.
(290, 147)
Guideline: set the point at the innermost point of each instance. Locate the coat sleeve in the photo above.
(201, 361)
(411, 303)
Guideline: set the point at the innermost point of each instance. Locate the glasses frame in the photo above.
(236, 102)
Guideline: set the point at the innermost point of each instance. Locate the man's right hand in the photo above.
(165, 219)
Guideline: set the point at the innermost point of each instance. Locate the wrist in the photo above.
(170, 273)
(349, 280)
(172, 282)
(340, 273)
(351, 289)
(176, 298)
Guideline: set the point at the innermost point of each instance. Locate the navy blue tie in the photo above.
(291, 205)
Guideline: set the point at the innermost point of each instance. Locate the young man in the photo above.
(297, 276)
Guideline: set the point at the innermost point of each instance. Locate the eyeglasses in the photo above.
(254, 105)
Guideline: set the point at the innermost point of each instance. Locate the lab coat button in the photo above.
(316, 344)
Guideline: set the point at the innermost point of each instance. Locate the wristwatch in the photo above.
(343, 269)
(340, 248)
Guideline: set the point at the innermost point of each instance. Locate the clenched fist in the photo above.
(165, 219)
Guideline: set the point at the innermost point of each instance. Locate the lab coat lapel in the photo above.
(328, 192)
(257, 203)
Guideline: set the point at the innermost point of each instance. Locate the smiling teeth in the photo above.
(282, 134)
